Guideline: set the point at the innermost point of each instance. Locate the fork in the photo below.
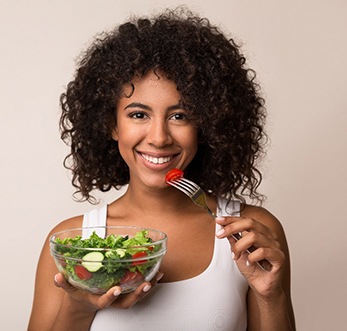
(198, 196)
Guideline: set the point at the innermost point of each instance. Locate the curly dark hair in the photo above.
(217, 89)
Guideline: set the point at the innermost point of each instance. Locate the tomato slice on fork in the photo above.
(173, 174)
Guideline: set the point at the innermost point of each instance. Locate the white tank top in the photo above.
(214, 300)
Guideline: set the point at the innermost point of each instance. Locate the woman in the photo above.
(155, 94)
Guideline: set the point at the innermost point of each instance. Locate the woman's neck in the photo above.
(166, 200)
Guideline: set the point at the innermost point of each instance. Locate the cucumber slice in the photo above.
(92, 261)
(120, 252)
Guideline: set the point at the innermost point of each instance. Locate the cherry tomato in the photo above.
(173, 174)
(82, 273)
(130, 277)
(139, 255)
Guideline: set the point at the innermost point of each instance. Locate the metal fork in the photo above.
(198, 196)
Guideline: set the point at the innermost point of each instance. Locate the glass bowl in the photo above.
(108, 256)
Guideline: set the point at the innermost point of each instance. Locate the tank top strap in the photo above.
(95, 220)
(228, 208)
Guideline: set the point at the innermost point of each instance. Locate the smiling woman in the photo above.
(160, 93)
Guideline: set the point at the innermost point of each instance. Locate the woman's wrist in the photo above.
(74, 314)
(273, 312)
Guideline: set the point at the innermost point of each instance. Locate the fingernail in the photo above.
(147, 288)
(55, 278)
(220, 232)
(220, 218)
(232, 255)
(247, 263)
(117, 292)
(159, 276)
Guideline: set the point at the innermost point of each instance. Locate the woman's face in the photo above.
(153, 131)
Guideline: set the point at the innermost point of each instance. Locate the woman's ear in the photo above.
(115, 134)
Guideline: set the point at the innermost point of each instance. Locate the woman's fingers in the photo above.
(232, 225)
(94, 301)
(60, 281)
(251, 232)
(106, 300)
(112, 297)
(257, 239)
(273, 256)
(128, 300)
(253, 240)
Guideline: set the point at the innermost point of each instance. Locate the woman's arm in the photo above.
(60, 306)
(53, 308)
(273, 312)
(269, 299)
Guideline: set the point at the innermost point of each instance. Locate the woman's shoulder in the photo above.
(69, 223)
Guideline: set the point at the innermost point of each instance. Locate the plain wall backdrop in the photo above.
(299, 51)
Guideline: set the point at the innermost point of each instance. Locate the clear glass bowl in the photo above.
(98, 269)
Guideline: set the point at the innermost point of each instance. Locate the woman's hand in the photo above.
(113, 297)
(266, 281)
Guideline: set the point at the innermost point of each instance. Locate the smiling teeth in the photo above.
(156, 160)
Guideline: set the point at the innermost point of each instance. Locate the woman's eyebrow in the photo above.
(175, 107)
(137, 105)
(146, 107)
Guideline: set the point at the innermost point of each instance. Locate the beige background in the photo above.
(298, 49)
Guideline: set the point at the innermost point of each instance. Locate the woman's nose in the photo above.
(159, 134)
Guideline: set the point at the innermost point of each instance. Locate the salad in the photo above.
(97, 264)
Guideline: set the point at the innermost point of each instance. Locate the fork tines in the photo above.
(184, 185)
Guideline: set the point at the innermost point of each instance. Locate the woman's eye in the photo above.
(137, 115)
(179, 117)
